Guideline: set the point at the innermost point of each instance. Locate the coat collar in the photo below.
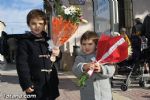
(88, 55)
(40, 39)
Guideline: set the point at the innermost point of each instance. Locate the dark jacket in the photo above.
(136, 47)
(29, 65)
(146, 26)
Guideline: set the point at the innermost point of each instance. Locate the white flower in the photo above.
(63, 7)
(115, 34)
(67, 11)
(71, 13)
(72, 9)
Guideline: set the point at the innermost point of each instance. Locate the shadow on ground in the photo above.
(7, 67)
(146, 96)
(67, 83)
(9, 79)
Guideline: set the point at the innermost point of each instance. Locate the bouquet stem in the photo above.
(84, 77)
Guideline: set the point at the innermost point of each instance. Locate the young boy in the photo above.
(37, 74)
(97, 87)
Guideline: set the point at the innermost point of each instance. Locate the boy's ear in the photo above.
(46, 22)
(46, 26)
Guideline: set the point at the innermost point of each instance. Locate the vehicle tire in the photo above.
(141, 83)
(124, 87)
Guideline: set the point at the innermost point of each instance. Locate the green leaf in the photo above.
(83, 80)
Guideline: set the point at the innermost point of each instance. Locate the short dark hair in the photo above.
(36, 13)
(89, 35)
(138, 20)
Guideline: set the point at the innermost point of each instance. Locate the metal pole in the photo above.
(48, 10)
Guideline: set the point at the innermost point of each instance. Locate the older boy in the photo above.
(37, 75)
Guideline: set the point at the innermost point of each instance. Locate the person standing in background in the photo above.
(12, 49)
(146, 28)
(3, 44)
(136, 40)
(137, 28)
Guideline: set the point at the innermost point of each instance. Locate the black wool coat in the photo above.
(29, 66)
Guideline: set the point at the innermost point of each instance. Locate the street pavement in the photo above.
(10, 89)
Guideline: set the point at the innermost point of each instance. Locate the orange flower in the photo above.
(62, 30)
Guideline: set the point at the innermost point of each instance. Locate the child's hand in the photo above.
(29, 90)
(55, 51)
(88, 66)
(97, 67)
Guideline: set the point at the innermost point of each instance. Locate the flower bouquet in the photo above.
(65, 24)
(109, 50)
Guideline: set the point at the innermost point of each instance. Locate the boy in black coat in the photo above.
(37, 74)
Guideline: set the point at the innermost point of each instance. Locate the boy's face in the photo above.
(36, 25)
(88, 46)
